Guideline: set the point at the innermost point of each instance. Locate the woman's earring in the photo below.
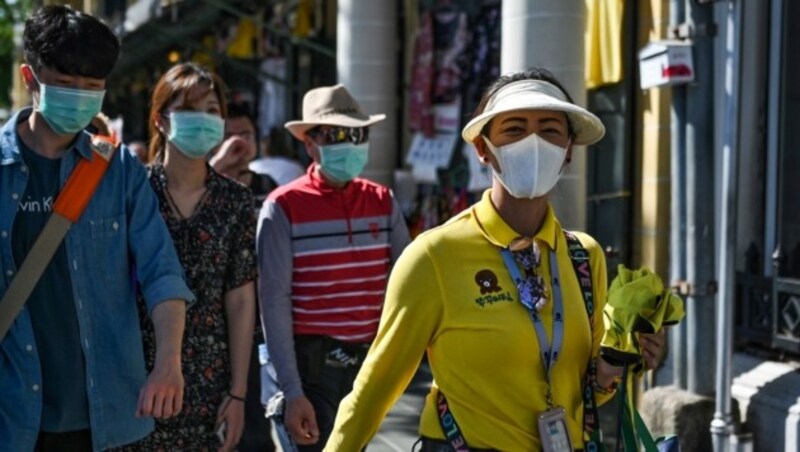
(484, 160)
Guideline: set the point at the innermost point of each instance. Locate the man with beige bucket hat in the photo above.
(326, 243)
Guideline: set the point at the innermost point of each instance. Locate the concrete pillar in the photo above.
(366, 63)
(530, 30)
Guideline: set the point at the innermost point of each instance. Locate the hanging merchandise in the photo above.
(450, 39)
(420, 116)
(486, 50)
(603, 42)
(456, 55)
(244, 44)
(302, 19)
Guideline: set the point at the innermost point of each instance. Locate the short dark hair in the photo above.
(69, 41)
(240, 109)
(533, 73)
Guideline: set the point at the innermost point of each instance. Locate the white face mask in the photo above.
(530, 167)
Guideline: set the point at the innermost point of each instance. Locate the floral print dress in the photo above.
(216, 246)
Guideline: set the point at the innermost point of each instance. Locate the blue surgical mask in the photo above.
(344, 161)
(68, 110)
(195, 133)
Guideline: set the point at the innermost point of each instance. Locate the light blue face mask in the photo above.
(68, 110)
(195, 133)
(344, 161)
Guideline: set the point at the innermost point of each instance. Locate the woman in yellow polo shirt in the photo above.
(500, 298)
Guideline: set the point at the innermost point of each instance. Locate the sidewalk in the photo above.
(399, 430)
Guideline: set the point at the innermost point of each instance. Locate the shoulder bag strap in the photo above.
(69, 206)
(450, 428)
(579, 257)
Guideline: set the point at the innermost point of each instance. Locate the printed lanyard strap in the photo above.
(579, 257)
(549, 353)
(449, 425)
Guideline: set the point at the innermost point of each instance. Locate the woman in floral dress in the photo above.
(212, 224)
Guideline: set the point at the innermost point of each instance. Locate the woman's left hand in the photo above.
(231, 412)
(654, 347)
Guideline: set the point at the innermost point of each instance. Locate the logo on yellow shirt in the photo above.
(487, 282)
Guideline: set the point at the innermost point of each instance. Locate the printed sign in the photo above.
(433, 151)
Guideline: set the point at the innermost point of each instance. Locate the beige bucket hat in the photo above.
(333, 106)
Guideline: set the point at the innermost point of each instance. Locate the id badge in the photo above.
(553, 431)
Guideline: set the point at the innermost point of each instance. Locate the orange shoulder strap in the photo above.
(85, 178)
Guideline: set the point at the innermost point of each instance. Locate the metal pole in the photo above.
(366, 63)
(527, 25)
(773, 135)
(722, 425)
(700, 204)
(677, 242)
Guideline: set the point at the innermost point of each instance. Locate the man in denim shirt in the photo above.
(72, 373)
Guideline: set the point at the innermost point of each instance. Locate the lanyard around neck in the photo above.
(549, 353)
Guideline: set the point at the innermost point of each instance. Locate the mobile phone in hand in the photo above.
(221, 430)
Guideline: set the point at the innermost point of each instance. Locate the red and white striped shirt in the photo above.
(324, 259)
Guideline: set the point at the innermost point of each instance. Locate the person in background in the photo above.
(211, 220)
(240, 131)
(72, 372)
(326, 243)
(507, 305)
(277, 166)
(239, 147)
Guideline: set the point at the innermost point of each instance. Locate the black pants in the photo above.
(77, 441)
(256, 436)
(327, 369)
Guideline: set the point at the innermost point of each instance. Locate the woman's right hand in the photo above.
(608, 376)
(301, 421)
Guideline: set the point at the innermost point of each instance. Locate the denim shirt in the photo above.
(120, 231)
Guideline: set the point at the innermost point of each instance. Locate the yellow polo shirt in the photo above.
(451, 296)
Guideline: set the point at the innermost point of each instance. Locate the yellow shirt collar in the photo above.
(497, 231)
